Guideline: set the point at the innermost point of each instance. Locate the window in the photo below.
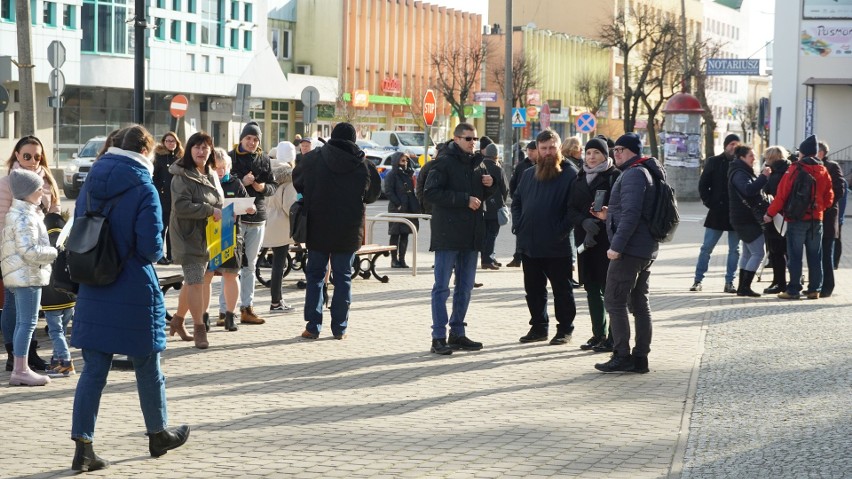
(235, 38)
(280, 41)
(69, 16)
(286, 50)
(176, 5)
(248, 10)
(221, 64)
(205, 60)
(104, 26)
(33, 18)
(190, 33)
(161, 3)
(247, 40)
(213, 22)
(49, 14)
(274, 41)
(160, 30)
(190, 57)
(175, 31)
(7, 10)
(235, 10)
(190, 6)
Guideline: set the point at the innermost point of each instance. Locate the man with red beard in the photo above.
(543, 228)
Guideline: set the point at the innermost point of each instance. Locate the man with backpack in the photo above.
(803, 195)
(633, 249)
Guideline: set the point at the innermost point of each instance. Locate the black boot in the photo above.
(325, 298)
(85, 458)
(741, 277)
(164, 441)
(394, 241)
(230, 325)
(10, 360)
(206, 319)
(746, 277)
(402, 248)
(35, 362)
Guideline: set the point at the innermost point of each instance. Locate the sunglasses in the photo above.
(29, 157)
(466, 138)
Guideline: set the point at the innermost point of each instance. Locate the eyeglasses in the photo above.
(466, 138)
(618, 149)
(169, 140)
(29, 157)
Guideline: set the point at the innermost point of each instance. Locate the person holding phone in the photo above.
(590, 193)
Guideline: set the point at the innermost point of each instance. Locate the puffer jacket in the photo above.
(399, 189)
(277, 231)
(194, 197)
(630, 203)
(26, 252)
(47, 201)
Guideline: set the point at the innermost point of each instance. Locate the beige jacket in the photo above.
(277, 232)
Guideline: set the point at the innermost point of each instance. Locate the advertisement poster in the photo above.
(827, 9)
(827, 39)
(221, 238)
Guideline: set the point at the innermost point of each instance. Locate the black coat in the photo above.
(399, 189)
(838, 185)
(713, 188)
(747, 200)
(162, 177)
(778, 169)
(498, 199)
(258, 164)
(593, 263)
(336, 181)
(540, 214)
(521, 167)
(425, 207)
(452, 180)
(51, 298)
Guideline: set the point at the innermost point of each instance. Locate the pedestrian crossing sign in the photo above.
(519, 117)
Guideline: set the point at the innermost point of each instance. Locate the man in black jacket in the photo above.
(456, 188)
(830, 220)
(522, 166)
(713, 188)
(336, 181)
(251, 166)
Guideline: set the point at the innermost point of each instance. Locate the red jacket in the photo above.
(824, 193)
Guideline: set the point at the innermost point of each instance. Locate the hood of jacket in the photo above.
(161, 150)
(651, 163)
(113, 174)
(810, 164)
(341, 156)
(283, 174)
(780, 165)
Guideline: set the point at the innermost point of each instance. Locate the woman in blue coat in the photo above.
(127, 316)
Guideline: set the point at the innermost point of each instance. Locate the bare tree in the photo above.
(748, 116)
(525, 76)
(457, 64)
(343, 110)
(701, 50)
(594, 90)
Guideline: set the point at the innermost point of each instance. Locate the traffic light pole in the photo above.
(508, 130)
(139, 25)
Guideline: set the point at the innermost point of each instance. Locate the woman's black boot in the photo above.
(206, 319)
(85, 458)
(33, 359)
(230, 325)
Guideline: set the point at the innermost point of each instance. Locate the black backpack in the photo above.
(91, 254)
(802, 198)
(664, 217)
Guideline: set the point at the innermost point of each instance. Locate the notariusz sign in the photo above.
(732, 66)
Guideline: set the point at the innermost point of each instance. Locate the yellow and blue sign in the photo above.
(221, 238)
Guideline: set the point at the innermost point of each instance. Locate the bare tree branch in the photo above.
(457, 64)
(594, 90)
(525, 76)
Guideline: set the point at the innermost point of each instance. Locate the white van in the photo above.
(410, 142)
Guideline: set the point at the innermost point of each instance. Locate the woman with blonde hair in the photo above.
(572, 151)
(29, 154)
(775, 157)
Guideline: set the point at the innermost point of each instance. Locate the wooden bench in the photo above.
(363, 267)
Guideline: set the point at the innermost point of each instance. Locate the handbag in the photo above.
(504, 216)
(299, 222)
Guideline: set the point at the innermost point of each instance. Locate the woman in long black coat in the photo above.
(598, 172)
(398, 187)
(167, 152)
(775, 157)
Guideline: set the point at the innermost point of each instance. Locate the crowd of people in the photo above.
(572, 208)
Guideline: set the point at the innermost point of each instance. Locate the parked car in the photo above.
(81, 162)
(410, 142)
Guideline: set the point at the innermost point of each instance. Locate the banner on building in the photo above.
(827, 39)
(733, 66)
(827, 9)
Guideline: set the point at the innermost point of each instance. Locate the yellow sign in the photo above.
(361, 98)
(221, 238)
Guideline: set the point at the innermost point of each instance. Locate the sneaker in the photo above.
(812, 294)
(696, 286)
(534, 335)
(560, 338)
(786, 295)
(282, 308)
(604, 346)
(309, 335)
(729, 288)
(463, 343)
(221, 321)
(439, 346)
(514, 264)
(617, 364)
(62, 370)
(591, 343)
(247, 316)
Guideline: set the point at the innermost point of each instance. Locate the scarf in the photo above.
(591, 173)
(138, 157)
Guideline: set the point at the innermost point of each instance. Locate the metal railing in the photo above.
(404, 218)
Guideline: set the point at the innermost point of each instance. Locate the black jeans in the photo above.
(537, 272)
(627, 292)
(492, 229)
(279, 256)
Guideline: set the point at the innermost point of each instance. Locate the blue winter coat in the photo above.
(630, 203)
(127, 316)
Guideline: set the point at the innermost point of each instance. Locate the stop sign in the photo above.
(179, 106)
(429, 107)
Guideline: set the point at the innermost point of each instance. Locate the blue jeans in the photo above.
(809, 235)
(752, 254)
(341, 272)
(150, 384)
(57, 324)
(492, 229)
(27, 303)
(252, 237)
(464, 264)
(9, 317)
(711, 237)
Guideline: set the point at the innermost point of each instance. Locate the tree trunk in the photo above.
(26, 82)
(652, 135)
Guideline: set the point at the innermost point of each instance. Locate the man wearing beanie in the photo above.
(632, 251)
(805, 231)
(713, 188)
(335, 181)
(252, 167)
(523, 165)
(492, 206)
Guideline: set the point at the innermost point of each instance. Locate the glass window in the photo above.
(161, 3)
(235, 10)
(176, 5)
(275, 41)
(213, 22)
(221, 64)
(190, 33)
(160, 30)
(235, 38)
(286, 51)
(248, 12)
(104, 26)
(175, 32)
(69, 16)
(190, 57)
(190, 6)
(7, 10)
(49, 14)
(247, 40)
(205, 60)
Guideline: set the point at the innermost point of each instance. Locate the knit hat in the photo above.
(730, 138)
(286, 152)
(809, 147)
(531, 145)
(491, 151)
(344, 131)
(609, 142)
(598, 144)
(631, 141)
(484, 142)
(24, 183)
(251, 128)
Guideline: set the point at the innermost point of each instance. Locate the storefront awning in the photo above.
(828, 81)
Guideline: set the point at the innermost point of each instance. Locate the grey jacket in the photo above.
(194, 196)
(26, 252)
(630, 204)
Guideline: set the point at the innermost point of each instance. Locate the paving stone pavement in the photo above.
(738, 388)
